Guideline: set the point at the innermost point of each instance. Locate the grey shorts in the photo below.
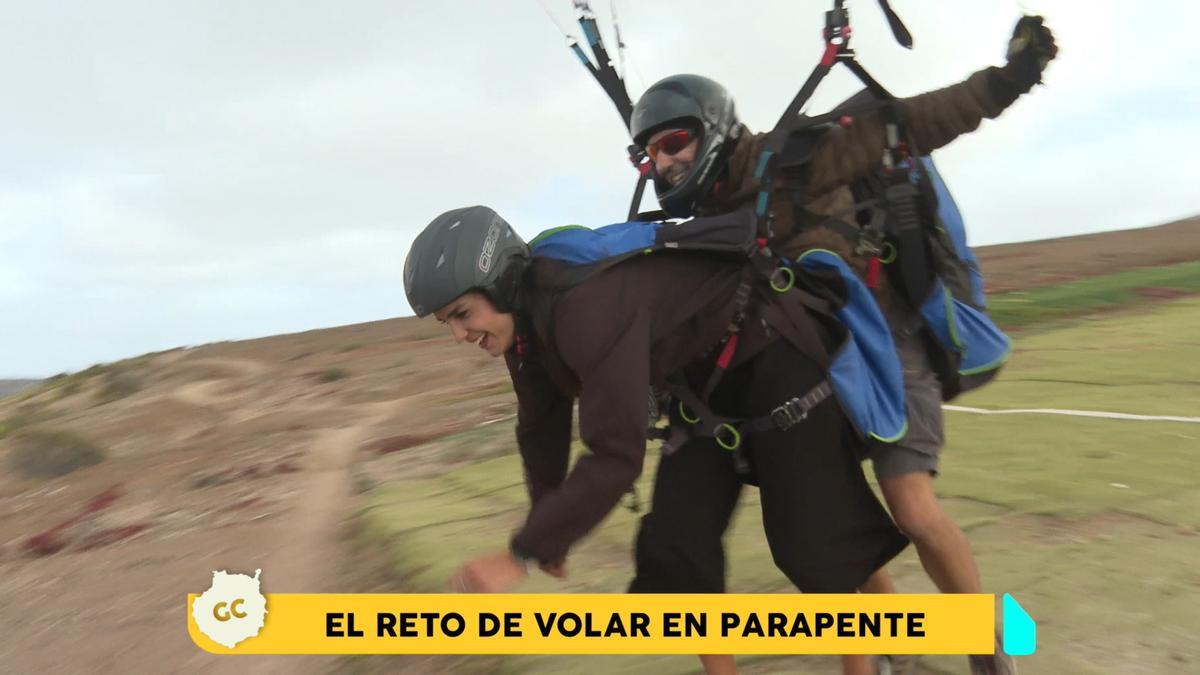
(920, 448)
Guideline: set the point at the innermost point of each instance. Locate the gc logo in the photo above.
(232, 609)
(220, 613)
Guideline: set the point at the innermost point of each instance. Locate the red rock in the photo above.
(112, 535)
(286, 466)
(47, 543)
(243, 504)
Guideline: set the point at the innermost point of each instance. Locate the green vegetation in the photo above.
(14, 423)
(118, 384)
(1045, 304)
(48, 453)
(333, 374)
(1091, 523)
(27, 414)
(70, 387)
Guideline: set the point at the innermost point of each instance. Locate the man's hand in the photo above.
(494, 573)
(1030, 49)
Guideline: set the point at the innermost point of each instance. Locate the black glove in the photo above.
(1030, 49)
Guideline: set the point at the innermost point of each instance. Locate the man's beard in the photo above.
(675, 175)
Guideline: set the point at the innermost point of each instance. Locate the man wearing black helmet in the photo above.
(704, 162)
(603, 342)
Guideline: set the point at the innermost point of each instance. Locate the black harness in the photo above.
(893, 222)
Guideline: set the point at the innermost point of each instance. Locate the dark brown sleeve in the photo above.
(543, 426)
(613, 366)
(934, 119)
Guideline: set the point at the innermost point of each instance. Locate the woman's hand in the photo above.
(556, 569)
(493, 573)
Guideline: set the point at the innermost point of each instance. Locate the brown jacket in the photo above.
(631, 326)
(845, 155)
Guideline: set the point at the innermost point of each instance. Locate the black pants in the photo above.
(826, 529)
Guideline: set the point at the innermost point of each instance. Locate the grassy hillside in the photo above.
(1091, 523)
(1129, 288)
(377, 456)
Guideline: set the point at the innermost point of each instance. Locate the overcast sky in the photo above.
(179, 173)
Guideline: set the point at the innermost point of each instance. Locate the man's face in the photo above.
(472, 318)
(673, 151)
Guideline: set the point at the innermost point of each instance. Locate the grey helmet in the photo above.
(466, 249)
(699, 103)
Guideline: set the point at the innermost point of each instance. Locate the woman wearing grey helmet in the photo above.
(475, 249)
(603, 342)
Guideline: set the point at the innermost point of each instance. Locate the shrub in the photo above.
(70, 387)
(118, 385)
(12, 424)
(42, 453)
(332, 374)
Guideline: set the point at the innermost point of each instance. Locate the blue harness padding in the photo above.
(960, 327)
(965, 331)
(866, 372)
(952, 222)
(578, 245)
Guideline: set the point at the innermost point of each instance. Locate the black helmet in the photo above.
(466, 249)
(688, 101)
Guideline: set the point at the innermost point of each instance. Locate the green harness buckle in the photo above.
(731, 433)
(683, 413)
(779, 286)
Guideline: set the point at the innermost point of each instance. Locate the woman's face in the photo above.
(472, 318)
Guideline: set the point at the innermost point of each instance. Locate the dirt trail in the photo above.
(300, 563)
(304, 554)
(122, 607)
(210, 391)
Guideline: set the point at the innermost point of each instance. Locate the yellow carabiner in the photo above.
(731, 445)
(888, 253)
(683, 413)
(791, 279)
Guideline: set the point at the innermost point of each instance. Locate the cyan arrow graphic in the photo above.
(1020, 631)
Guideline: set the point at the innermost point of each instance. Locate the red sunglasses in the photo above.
(671, 144)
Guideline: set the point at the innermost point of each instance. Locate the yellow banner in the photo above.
(603, 624)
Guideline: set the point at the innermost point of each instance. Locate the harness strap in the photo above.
(792, 412)
(741, 298)
(802, 335)
(705, 423)
(637, 157)
(728, 432)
